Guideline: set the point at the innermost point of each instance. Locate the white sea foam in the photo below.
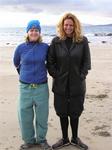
(15, 36)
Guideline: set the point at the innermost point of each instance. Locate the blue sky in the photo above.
(19, 12)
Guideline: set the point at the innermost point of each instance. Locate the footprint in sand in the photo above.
(101, 127)
(100, 106)
(100, 96)
(50, 125)
(93, 87)
(104, 133)
(101, 131)
(51, 119)
(55, 128)
(97, 82)
(89, 120)
(90, 112)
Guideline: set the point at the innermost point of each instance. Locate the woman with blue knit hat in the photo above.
(30, 61)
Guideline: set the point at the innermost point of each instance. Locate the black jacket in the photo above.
(73, 64)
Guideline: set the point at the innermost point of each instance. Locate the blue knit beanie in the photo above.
(33, 24)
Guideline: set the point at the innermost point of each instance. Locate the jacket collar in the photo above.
(62, 42)
(65, 47)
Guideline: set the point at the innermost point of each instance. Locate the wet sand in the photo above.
(95, 122)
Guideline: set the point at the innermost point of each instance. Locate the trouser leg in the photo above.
(41, 110)
(74, 126)
(26, 115)
(64, 126)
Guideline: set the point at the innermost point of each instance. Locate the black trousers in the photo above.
(74, 122)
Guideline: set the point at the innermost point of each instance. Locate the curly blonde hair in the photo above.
(77, 34)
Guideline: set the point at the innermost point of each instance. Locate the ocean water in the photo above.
(95, 34)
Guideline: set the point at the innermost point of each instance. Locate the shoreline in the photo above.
(98, 40)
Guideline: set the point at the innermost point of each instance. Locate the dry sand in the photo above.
(96, 121)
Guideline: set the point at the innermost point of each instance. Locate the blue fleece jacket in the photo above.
(31, 58)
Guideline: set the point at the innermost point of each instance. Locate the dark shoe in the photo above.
(27, 146)
(45, 146)
(61, 143)
(78, 143)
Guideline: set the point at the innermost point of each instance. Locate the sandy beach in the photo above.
(95, 122)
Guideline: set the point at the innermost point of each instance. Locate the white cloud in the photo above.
(58, 6)
(18, 12)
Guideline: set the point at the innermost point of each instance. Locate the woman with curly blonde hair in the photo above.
(77, 35)
(68, 64)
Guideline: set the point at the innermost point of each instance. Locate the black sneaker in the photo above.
(61, 143)
(45, 146)
(27, 146)
(78, 143)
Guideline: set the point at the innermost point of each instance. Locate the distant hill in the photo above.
(97, 25)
